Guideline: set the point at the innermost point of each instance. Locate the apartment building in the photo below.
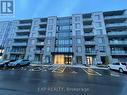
(88, 38)
(5, 35)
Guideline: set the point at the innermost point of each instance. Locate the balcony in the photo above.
(115, 17)
(24, 24)
(119, 52)
(118, 42)
(89, 34)
(42, 29)
(39, 51)
(88, 26)
(19, 44)
(89, 42)
(116, 25)
(22, 37)
(17, 52)
(40, 43)
(91, 52)
(87, 19)
(43, 23)
(117, 33)
(41, 36)
(23, 31)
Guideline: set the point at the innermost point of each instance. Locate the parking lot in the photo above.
(61, 80)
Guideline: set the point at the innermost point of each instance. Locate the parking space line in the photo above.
(60, 69)
(114, 74)
(91, 72)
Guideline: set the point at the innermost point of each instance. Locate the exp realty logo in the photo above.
(7, 7)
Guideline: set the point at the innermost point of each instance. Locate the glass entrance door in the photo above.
(59, 59)
(68, 59)
(62, 59)
(89, 60)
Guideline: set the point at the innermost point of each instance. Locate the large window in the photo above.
(79, 49)
(50, 21)
(99, 31)
(77, 25)
(100, 40)
(98, 24)
(48, 49)
(78, 40)
(102, 48)
(77, 19)
(97, 17)
(78, 33)
(49, 34)
(50, 27)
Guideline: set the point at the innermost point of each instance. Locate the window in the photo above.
(49, 34)
(35, 22)
(78, 32)
(98, 24)
(48, 41)
(50, 27)
(77, 19)
(100, 40)
(99, 31)
(48, 49)
(97, 17)
(78, 41)
(50, 21)
(102, 48)
(35, 27)
(77, 25)
(79, 49)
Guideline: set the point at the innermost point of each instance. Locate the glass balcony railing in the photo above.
(91, 52)
(22, 37)
(117, 25)
(88, 26)
(89, 42)
(23, 30)
(89, 34)
(118, 42)
(40, 43)
(118, 33)
(119, 52)
(116, 17)
(19, 44)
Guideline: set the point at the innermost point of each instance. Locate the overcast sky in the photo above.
(44, 8)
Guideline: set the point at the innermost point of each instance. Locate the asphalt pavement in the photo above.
(61, 80)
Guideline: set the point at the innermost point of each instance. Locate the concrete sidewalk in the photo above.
(76, 66)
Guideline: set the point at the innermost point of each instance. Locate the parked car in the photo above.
(4, 63)
(121, 66)
(19, 63)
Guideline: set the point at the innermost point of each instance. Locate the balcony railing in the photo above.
(18, 52)
(19, 44)
(91, 52)
(40, 43)
(118, 42)
(89, 42)
(89, 34)
(24, 24)
(88, 26)
(116, 17)
(21, 37)
(117, 33)
(23, 30)
(42, 29)
(117, 25)
(42, 22)
(87, 19)
(119, 52)
(39, 51)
